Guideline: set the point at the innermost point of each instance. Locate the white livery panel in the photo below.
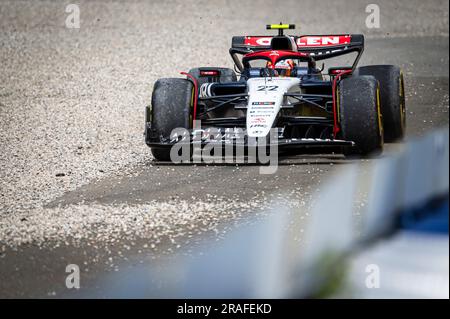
(265, 100)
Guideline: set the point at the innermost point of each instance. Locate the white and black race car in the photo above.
(277, 87)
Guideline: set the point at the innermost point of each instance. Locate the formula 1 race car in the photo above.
(277, 86)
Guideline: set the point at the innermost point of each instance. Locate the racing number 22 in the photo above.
(267, 87)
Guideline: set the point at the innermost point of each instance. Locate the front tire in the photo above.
(359, 115)
(392, 98)
(171, 108)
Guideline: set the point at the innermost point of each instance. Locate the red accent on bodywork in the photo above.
(257, 41)
(310, 41)
(194, 81)
(337, 71)
(305, 41)
(209, 73)
(336, 128)
(275, 55)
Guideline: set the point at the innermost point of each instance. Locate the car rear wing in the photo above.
(319, 47)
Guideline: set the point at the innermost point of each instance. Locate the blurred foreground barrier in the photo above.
(377, 229)
(416, 176)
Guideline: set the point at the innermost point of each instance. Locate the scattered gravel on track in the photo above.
(107, 224)
(71, 101)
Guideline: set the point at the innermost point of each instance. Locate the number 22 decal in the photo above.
(267, 87)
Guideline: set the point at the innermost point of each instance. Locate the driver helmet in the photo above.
(284, 67)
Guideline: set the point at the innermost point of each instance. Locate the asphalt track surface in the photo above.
(104, 72)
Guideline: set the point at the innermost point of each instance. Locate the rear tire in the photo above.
(392, 98)
(171, 108)
(359, 115)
